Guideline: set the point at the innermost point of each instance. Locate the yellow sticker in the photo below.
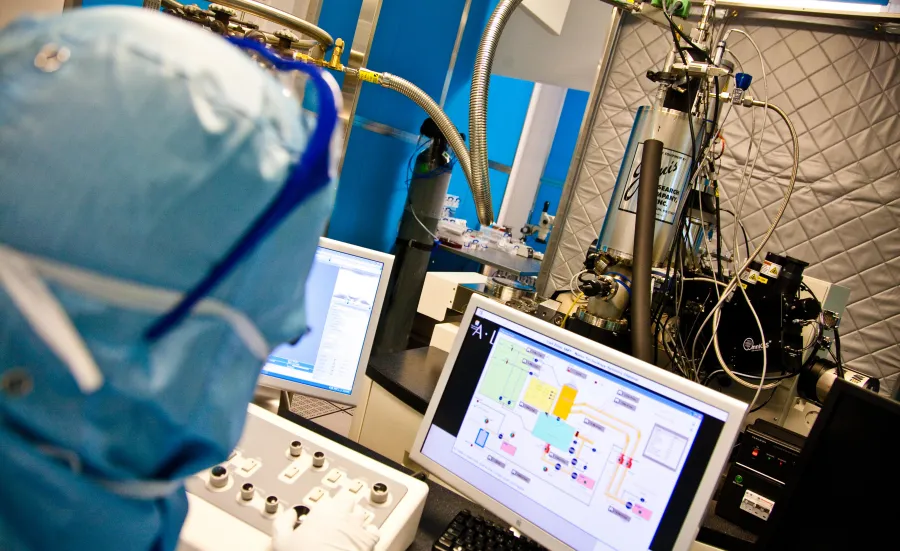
(744, 285)
(762, 279)
(369, 76)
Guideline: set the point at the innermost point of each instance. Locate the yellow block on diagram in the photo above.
(564, 404)
(540, 395)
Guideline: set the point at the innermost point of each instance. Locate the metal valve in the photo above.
(285, 38)
(222, 12)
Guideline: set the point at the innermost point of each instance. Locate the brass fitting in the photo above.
(335, 62)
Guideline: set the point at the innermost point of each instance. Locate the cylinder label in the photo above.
(672, 175)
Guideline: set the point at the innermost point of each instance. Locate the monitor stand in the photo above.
(267, 398)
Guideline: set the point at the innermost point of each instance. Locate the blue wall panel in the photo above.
(372, 189)
(560, 158)
(508, 100)
(414, 40)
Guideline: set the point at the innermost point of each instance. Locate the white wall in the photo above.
(11, 9)
(531, 156)
(529, 51)
(550, 13)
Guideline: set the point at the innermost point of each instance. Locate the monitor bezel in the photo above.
(736, 411)
(355, 395)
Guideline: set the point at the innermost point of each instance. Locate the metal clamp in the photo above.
(601, 323)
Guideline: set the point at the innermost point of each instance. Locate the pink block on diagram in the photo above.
(642, 512)
(508, 448)
(586, 482)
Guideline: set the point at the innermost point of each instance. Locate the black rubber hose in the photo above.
(719, 250)
(645, 225)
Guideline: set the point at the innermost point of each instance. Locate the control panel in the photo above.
(277, 466)
(770, 449)
(755, 481)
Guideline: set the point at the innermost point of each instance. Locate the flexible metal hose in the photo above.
(478, 104)
(440, 118)
(282, 18)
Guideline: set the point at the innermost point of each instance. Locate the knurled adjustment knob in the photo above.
(285, 38)
(296, 448)
(272, 505)
(379, 493)
(222, 12)
(218, 476)
(318, 460)
(247, 491)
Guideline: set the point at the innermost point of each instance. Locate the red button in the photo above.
(755, 452)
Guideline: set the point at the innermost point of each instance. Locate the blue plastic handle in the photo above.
(306, 178)
(742, 81)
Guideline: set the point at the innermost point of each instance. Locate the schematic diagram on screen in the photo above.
(547, 424)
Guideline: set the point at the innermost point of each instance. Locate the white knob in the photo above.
(296, 448)
(272, 505)
(379, 493)
(318, 460)
(218, 476)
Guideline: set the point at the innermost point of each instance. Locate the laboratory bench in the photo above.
(401, 386)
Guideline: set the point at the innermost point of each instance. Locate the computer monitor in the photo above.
(344, 293)
(573, 443)
(844, 492)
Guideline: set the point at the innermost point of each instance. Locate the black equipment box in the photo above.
(756, 479)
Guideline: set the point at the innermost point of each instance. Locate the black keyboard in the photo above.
(468, 532)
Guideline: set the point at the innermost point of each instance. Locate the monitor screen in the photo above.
(591, 453)
(340, 294)
(848, 459)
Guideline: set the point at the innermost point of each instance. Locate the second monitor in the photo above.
(344, 293)
(575, 444)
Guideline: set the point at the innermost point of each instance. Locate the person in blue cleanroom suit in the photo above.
(137, 153)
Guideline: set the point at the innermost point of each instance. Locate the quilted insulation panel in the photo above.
(843, 94)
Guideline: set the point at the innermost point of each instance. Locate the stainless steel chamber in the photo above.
(673, 129)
